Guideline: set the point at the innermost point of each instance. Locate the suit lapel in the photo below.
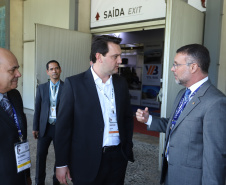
(178, 98)
(117, 88)
(15, 105)
(92, 93)
(9, 121)
(59, 92)
(193, 103)
(46, 92)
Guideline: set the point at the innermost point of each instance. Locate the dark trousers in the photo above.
(42, 152)
(166, 179)
(112, 169)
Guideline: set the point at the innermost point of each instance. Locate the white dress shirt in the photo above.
(107, 102)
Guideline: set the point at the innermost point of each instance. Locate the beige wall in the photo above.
(24, 15)
(48, 12)
(84, 11)
(222, 62)
(16, 34)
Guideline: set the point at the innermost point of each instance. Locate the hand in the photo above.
(62, 173)
(142, 115)
(35, 134)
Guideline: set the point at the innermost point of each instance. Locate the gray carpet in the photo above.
(144, 171)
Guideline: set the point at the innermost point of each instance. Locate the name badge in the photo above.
(53, 112)
(23, 159)
(113, 128)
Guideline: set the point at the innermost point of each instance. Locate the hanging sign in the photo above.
(108, 12)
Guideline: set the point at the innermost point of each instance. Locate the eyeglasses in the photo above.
(176, 65)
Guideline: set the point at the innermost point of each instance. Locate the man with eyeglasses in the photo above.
(194, 151)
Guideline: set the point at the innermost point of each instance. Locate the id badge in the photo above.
(113, 128)
(53, 112)
(22, 152)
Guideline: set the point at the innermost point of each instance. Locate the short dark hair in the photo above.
(199, 55)
(52, 61)
(100, 45)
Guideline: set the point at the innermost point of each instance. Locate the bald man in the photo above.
(13, 123)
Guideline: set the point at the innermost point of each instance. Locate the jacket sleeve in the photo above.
(38, 101)
(158, 124)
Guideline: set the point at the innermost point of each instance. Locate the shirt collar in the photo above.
(54, 84)
(97, 79)
(198, 84)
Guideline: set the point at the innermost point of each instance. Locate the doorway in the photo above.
(142, 66)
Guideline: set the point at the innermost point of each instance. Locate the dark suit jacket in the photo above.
(80, 127)
(197, 151)
(8, 137)
(42, 106)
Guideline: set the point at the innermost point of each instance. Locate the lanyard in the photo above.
(17, 125)
(112, 96)
(54, 96)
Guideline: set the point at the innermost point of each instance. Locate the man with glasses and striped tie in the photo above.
(15, 169)
(195, 150)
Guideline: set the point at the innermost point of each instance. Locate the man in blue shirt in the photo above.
(46, 104)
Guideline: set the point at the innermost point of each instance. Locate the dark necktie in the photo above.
(6, 105)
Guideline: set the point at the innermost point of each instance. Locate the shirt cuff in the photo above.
(149, 121)
(61, 166)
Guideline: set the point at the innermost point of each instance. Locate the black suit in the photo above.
(8, 137)
(46, 131)
(80, 128)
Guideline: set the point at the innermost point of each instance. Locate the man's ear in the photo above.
(194, 67)
(98, 57)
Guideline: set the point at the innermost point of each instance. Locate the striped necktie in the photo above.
(186, 95)
(6, 105)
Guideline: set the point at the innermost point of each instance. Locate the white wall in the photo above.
(29, 75)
